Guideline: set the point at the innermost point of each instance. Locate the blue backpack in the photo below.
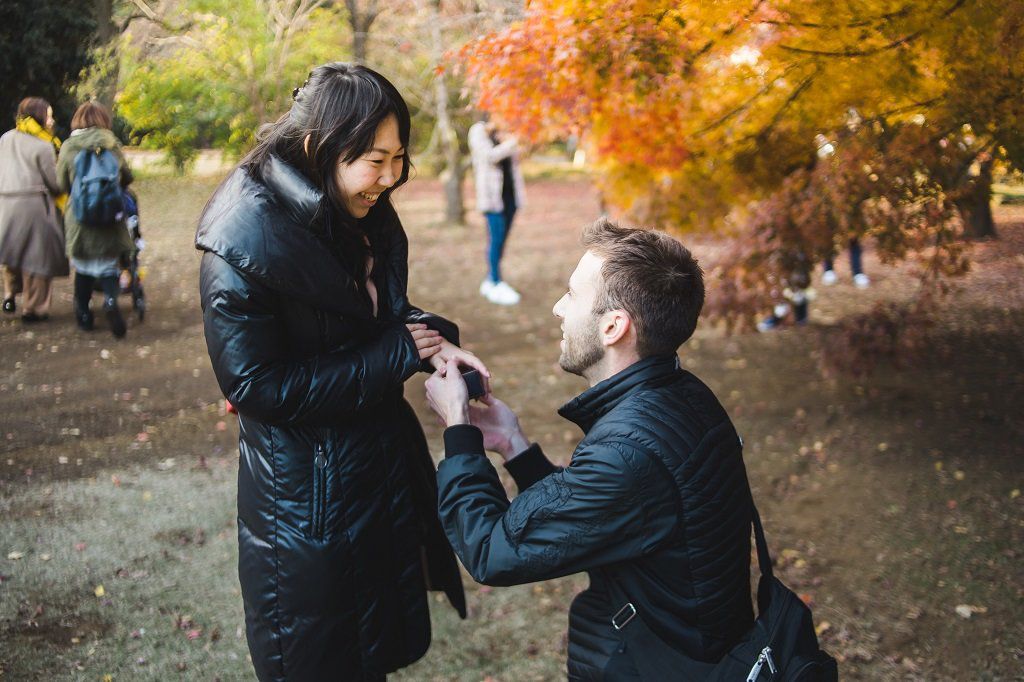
(96, 196)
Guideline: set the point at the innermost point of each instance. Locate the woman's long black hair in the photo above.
(339, 108)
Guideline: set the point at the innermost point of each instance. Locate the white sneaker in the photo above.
(861, 280)
(502, 294)
(485, 287)
(828, 277)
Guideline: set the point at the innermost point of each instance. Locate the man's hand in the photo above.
(500, 426)
(448, 396)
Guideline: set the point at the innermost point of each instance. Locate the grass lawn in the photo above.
(891, 502)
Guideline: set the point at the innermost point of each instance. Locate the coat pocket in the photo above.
(318, 500)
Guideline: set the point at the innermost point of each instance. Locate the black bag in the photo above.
(782, 645)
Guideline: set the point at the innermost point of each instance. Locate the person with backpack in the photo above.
(31, 237)
(92, 168)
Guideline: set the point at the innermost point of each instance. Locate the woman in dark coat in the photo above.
(311, 335)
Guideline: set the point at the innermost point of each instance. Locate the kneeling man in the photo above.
(654, 503)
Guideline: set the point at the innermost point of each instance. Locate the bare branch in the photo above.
(899, 42)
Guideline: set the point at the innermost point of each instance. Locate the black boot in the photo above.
(83, 295)
(114, 318)
(84, 318)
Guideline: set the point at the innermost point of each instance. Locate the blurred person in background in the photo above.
(97, 251)
(499, 194)
(31, 234)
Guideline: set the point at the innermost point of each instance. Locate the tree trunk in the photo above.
(106, 33)
(453, 174)
(976, 205)
(360, 18)
(359, 46)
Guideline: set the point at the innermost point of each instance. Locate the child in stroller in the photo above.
(132, 273)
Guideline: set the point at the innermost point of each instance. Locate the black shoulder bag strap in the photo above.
(652, 656)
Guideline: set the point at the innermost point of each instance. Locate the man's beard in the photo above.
(582, 351)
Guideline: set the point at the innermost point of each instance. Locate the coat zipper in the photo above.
(319, 492)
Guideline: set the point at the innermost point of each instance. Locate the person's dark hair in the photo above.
(339, 108)
(34, 107)
(91, 115)
(652, 277)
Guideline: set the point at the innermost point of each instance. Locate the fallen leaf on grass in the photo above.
(967, 610)
(823, 626)
(14, 556)
(99, 591)
(80, 546)
(195, 633)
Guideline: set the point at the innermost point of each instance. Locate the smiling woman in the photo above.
(311, 335)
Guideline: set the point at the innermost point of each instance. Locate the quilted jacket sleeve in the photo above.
(250, 357)
(587, 515)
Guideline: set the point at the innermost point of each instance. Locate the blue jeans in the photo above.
(498, 227)
(855, 253)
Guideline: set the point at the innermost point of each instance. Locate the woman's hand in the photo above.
(449, 351)
(428, 341)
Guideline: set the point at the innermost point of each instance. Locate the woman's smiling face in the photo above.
(361, 181)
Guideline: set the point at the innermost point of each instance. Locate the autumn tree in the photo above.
(789, 125)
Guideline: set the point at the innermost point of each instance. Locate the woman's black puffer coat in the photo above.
(337, 524)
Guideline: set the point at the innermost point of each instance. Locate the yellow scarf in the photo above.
(27, 124)
(30, 126)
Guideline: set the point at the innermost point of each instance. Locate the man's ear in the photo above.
(614, 326)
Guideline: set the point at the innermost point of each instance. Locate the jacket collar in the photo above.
(292, 190)
(585, 409)
(270, 231)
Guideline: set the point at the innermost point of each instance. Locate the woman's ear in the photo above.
(305, 144)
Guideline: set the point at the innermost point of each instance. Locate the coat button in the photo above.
(320, 461)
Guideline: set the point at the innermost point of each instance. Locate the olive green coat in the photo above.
(88, 242)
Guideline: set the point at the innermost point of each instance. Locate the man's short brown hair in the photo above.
(34, 107)
(652, 277)
(91, 115)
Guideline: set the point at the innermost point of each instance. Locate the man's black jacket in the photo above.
(655, 496)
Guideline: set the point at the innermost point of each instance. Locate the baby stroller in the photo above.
(132, 273)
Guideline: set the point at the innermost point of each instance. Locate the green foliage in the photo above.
(43, 43)
(232, 72)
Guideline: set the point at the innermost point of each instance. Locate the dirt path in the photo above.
(889, 501)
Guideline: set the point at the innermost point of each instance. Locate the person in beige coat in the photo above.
(31, 233)
(499, 194)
